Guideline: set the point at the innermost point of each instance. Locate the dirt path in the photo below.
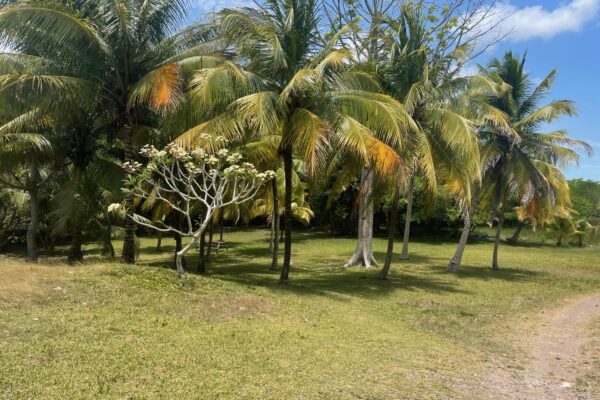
(551, 343)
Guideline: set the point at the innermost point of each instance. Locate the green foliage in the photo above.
(585, 197)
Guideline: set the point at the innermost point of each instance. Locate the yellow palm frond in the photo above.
(159, 89)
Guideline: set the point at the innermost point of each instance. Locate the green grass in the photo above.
(109, 331)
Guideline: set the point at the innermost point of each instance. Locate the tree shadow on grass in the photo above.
(488, 274)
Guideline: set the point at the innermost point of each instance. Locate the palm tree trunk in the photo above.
(515, 237)
(410, 195)
(221, 223)
(34, 210)
(275, 226)
(456, 260)
(202, 255)
(495, 265)
(75, 254)
(363, 254)
(210, 240)
(287, 252)
(383, 274)
(159, 242)
(128, 253)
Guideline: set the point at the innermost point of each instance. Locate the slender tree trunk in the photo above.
(221, 223)
(495, 265)
(580, 240)
(287, 252)
(363, 254)
(383, 274)
(456, 260)
(128, 253)
(275, 227)
(560, 239)
(515, 237)
(159, 242)
(75, 254)
(210, 240)
(410, 195)
(34, 210)
(202, 254)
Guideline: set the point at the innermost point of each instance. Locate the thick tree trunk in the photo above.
(383, 274)
(363, 254)
(456, 260)
(34, 210)
(409, 207)
(75, 254)
(128, 253)
(495, 265)
(287, 253)
(275, 227)
(515, 237)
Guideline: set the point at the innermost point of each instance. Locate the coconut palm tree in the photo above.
(124, 58)
(521, 165)
(285, 79)
(446, 107)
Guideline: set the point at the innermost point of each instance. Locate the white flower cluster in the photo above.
(131, 166)
(114, 207)
(234, 158)
(266, 176)
(199, 154)
(151, 152)
(178, 152)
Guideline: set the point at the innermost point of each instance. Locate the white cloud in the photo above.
(538, 22)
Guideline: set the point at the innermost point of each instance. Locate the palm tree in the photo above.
(517, 165)
(125, 59)
(290, 81)
(445, 106)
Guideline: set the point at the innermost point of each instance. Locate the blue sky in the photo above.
(561, 34)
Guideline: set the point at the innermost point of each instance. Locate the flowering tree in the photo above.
(193, 183)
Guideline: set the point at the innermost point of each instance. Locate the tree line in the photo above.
(367, 97)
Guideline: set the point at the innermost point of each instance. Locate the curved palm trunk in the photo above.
(515, 237)
(456, 260)
(287, 253)
(128, 253)
(495, 265)
(275, 226)
(363, 254)
(411, 189)
(383, 274)
(34, 210)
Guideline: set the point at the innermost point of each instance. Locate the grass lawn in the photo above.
(110, 331)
